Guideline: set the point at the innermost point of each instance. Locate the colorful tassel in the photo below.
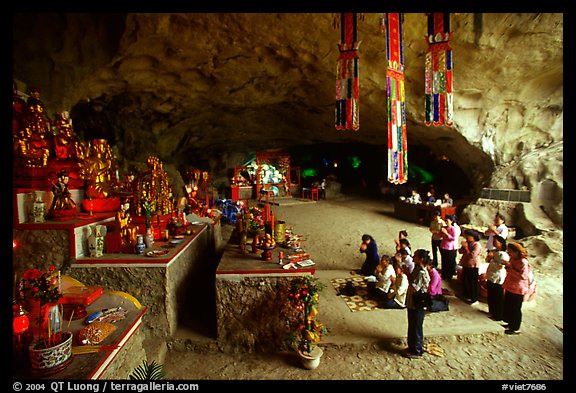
(347, 75)
(396, 103)
(438, 87)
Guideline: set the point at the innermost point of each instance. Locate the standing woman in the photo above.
(435, 228)
(495, 275)
(516, 285)
(418, 282)
(449, 247)
(370, 248)
(471, 259)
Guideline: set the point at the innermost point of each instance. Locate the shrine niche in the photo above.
(273, 173)
(42, 147)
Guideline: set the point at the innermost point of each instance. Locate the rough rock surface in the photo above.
(208, 89)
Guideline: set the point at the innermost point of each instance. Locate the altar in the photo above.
(121, 352)
(250, 308)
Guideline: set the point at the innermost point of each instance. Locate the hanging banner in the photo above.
(347, 72)
(438, 71)
(397, 141)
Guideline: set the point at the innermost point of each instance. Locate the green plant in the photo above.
(305, 329)
(148, 371)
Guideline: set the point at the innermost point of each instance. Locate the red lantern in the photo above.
(20, 322)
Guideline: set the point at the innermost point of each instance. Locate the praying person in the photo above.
(370, 248)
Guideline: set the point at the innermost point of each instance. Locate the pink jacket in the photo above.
(450, 241)
(517, 276)
(472, 257)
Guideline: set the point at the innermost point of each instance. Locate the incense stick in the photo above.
(71, 315)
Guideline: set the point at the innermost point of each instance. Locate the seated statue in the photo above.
(31, 147)
(127, 230)
(63, 205)
(65, 143)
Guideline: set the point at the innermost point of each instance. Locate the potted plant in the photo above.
(306, 330)
(40, 291)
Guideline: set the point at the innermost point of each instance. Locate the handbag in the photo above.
(421, 299)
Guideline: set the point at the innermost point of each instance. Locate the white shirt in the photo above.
(502, 230)
(400, 289)
(385, 279)
(496, 271)
(408, 262)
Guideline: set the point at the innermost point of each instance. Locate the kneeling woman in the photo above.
(397, 295)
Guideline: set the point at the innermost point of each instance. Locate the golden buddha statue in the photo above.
(31, 145)
(65, 142)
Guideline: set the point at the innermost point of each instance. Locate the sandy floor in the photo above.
(333, 229)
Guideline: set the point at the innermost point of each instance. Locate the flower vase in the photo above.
(149, 238)
(311, 360)
(96, 242)
(38, 208)
(140, 245)
(50, 360)
(242, 245)
(255, 241)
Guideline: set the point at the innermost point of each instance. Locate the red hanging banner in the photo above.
(438, 71)
(397, 140)
(347, 75)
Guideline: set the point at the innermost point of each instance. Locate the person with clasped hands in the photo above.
(449, 247)
(470, 261)
(495, 276)
(419, 280)
(497, 228)
(370, 248)
(516, 285)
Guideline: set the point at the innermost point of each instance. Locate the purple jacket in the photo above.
(435, 286)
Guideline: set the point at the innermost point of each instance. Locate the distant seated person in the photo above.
(430, 198)
(380, 283)
(415, 198)
(448, 201)
(439, 302)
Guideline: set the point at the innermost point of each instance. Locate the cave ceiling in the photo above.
(190, 86)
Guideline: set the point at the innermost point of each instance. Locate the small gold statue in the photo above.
(127, 230)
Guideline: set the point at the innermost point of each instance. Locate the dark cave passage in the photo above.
(362, 170)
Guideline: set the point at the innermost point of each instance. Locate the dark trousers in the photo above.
(415, 330)
(435, 248)
(495, 300)
(470, 283)
(513, 309)
(448, 263)
(391, 303)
